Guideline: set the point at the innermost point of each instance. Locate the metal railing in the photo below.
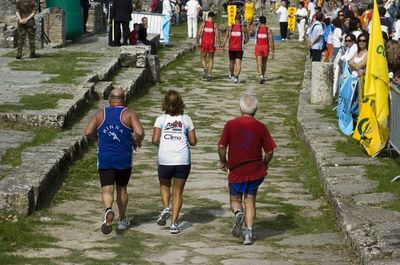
(394, 119)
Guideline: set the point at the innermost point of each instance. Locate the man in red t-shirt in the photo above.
(245, 138)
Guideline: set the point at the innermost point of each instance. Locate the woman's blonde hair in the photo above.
(173, 103)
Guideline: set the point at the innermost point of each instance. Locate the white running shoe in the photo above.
(237, 229)
(236, 79)
(124, 223)
(106, 227)
(164, 215)
(174, 229)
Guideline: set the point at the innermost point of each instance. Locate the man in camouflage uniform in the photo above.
(26, 10)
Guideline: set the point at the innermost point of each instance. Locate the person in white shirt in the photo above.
(192, 11)
(167, 12)
(173, 132)
(283, 16)
(351, 47)
(337, 36)
(301, 18)
(311, 10)
(316, 36)
(397, 28)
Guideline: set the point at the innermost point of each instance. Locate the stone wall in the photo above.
(54, 25)
(97, 21)
(7, 12)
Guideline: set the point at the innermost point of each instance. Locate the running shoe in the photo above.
(248, 240)
(205, 72)
(106, 227)
(209, 78)
(237, 229)
(164, 215)
(124, 223)
(174, 229)
(261, 79)
(236, 79)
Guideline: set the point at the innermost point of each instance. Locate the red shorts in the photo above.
(261, 50)
(207, 47)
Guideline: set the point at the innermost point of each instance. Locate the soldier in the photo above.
(26, 10)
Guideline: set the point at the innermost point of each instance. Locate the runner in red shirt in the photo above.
(245, 138)
(207, 37)
(238, 36)
(264, 42)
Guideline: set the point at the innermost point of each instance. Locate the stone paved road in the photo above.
(292, 226)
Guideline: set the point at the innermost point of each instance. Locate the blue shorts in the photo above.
(178, 171)
(249, 187)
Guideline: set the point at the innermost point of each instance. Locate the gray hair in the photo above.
(248, 104)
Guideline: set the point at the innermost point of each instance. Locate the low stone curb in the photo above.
(372, 231)
(31, 185)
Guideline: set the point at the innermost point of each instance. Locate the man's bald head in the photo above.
(117, 95)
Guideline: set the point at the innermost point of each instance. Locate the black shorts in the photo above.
(118, 176)
(233, 55)
(179, 171)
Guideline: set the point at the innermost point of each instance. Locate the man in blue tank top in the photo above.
(118, 132)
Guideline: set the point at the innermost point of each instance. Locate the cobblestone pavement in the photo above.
(282, 237)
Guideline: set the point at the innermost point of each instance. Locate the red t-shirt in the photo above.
(245, 138)
(133, 37)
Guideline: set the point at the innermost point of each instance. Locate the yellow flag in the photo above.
(231, 14)
(371, 135)
(248, 11)
(377, 77)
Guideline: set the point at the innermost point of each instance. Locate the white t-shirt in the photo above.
(311, 8)
(337, 37)
(282, 14)
(174, 146)
(397, 30)
(316, 31)
(192, 8)
(350, 53)
(166, 8)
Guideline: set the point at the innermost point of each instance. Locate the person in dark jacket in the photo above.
(85, 5)
(142, 36)
(121, 14)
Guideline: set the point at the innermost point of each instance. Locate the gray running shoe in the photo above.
(209, 78)
(164, 215)
(261, 79)
(106, 227)
(124, 223)
(237, 229)
(205, 72)
(174, 229)
(248, 240)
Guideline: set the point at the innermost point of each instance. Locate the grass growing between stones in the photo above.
(19, 235)
(36, 102)
(384, 174)
(66, 65)
(42, 136)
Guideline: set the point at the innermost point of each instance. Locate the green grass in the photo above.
(66, 65)
(36, 102)
(41, 136)
(384, 173)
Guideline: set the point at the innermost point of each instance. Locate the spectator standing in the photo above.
(238, 36)
(337, 36)
(167, 10)
(26, 10)
(317, 38)
(118, 132)
(85, 12)
(328, 38)
(351, 47)
(397, 28)
(142, 36)
(192, 11)
(240, 151)
(264, 46)
(301, 18)
(121, 13)
(283, 16)
(207, 37)
(311, 10)
(173, 132)
(206, 7)
(359, 61)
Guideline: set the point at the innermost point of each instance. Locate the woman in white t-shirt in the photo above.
(173, 132)
(337, 36)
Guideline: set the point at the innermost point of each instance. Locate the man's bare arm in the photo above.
(267, 158)
(137, 128)
(222, 157)
(91, 129)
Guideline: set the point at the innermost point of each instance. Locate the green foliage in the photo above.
(66, 65)
(36, 102)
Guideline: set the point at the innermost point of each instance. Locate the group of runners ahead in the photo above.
(238, 35)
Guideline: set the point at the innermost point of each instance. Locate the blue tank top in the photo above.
(115, 141)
